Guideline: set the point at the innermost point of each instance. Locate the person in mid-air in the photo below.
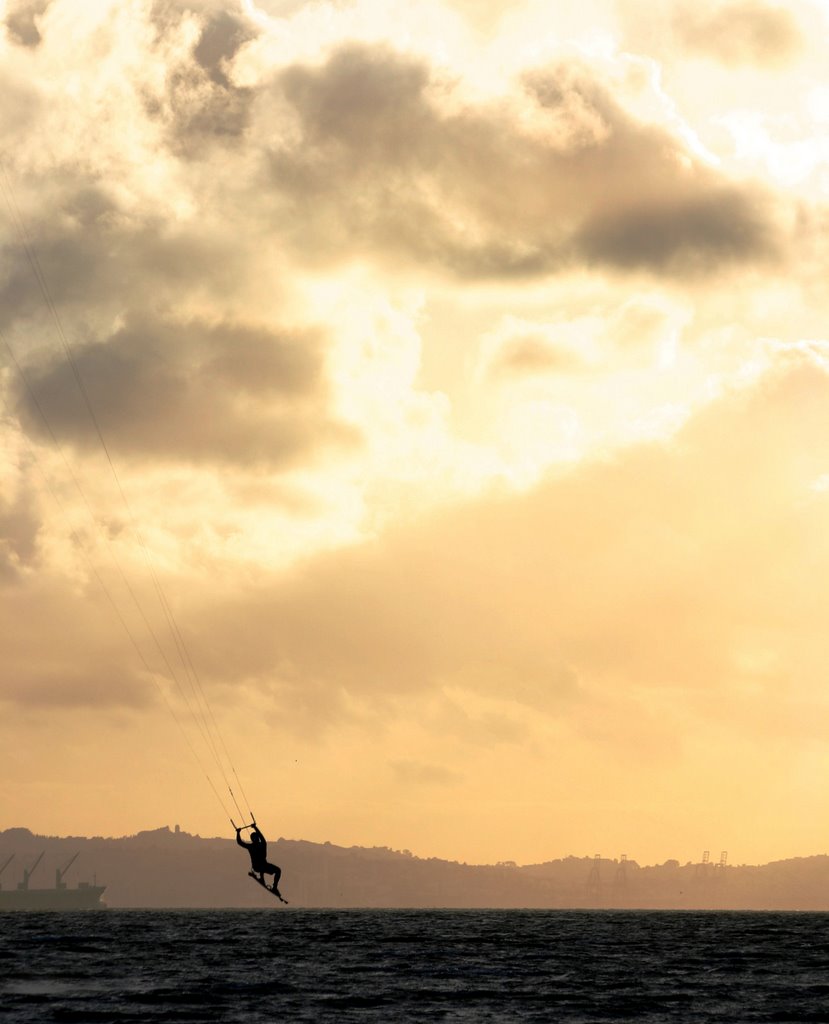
(258, 850)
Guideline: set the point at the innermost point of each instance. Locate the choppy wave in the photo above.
(388, 966)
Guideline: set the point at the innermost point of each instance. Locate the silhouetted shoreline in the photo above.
(169, 868)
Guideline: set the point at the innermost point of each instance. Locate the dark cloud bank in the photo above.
(380, 168)
(374, 169)
(354, 157)
(191, 391)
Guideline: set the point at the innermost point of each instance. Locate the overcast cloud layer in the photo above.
(453, 382)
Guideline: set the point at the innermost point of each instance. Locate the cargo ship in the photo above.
(84, 897)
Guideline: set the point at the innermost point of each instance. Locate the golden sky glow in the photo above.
(466, 371)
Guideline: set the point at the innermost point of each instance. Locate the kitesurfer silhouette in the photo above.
(258, 850)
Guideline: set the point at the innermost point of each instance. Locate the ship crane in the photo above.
(27, 872)
(5, 866)
(59, 882)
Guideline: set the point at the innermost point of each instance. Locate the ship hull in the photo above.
(87, 897)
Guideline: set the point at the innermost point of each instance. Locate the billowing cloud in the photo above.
(93, 255)
(378, 165)
(607, 580)
(200, 102)
(191, 391)
(604, 584)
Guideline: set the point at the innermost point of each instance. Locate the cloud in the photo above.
(63, 649)
(19, 528)
(649, 581)
(740, 32)
(103, 687)
(380, 164)
(532, 354)
(92, 252)
(368, 155)
(201, 103)
(193, 391)
(622, 627)
(585, 342)
(682, 235)
(22, 21)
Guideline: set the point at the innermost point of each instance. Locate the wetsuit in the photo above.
(258, 850)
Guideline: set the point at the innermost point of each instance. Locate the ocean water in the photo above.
(287, 965)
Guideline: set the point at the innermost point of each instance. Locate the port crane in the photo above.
(27, 872)
(59, 873)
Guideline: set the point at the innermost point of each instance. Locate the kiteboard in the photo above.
(265, 885)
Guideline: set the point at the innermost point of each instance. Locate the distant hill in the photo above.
(166, 868)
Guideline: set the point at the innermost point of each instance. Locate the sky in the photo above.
(413, 418)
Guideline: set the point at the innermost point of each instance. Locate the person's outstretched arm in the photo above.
(241, 841)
